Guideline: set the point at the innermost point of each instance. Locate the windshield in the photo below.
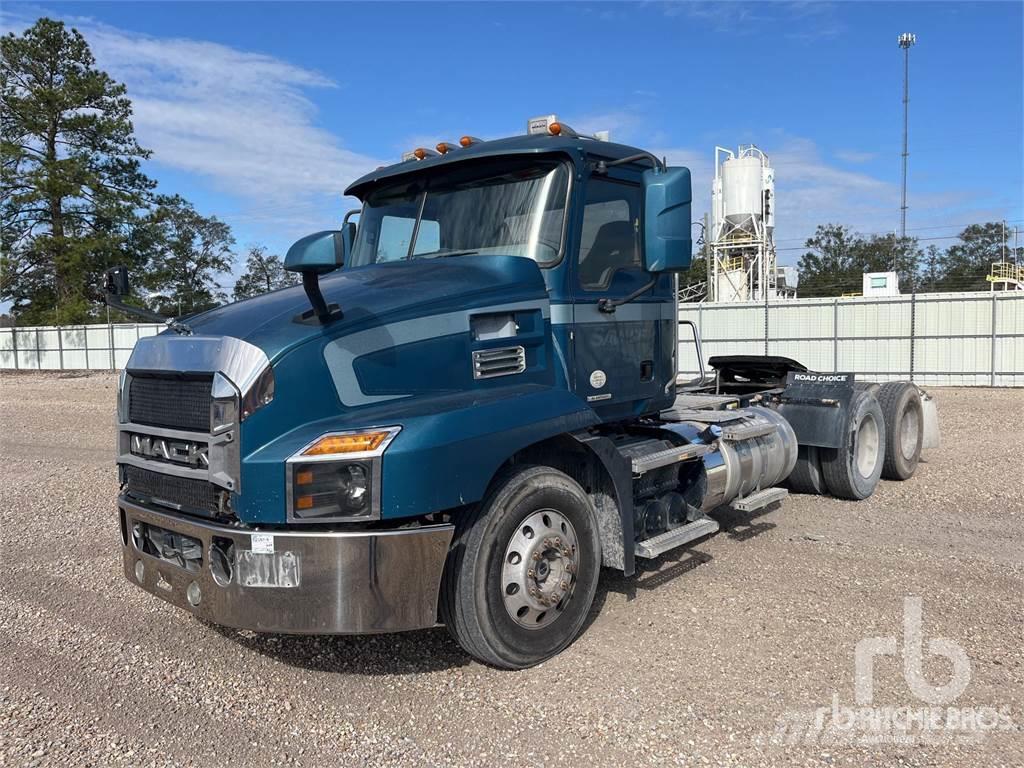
(519, 211)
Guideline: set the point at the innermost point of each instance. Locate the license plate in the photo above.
(267, 569)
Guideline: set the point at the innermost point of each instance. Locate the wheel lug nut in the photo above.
(536, 555)
(564, 585)
(530, 573)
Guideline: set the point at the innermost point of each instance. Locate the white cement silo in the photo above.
(743, 222)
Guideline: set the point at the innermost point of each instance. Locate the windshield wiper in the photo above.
(446, 254)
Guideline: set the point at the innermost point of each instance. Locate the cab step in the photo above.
(759, 499)
(663, 542)
(646, 462)
(737, 432)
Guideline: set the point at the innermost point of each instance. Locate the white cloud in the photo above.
(855, 156)
(240, 119)
(811, 191)
(237, 119)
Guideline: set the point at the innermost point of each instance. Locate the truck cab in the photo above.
(466, 411)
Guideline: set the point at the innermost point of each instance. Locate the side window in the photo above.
(611, 220)
(396, 232)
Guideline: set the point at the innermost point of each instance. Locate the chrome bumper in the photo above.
(327, 582)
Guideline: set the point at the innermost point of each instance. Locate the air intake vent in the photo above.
(195, 497)
(488, 363)
(170, 402)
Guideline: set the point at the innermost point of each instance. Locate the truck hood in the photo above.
(373, 295)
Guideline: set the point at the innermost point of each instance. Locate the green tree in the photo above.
(188, 252)
(931, 269)
(263, 273)
(887, 253)
(838, 259)
(968, 262)
(71, 177)
(827, 269)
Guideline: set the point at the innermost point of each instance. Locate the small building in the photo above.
(881, 284)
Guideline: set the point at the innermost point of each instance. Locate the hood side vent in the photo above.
(506, 361)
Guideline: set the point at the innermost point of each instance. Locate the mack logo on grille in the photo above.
(178, 451)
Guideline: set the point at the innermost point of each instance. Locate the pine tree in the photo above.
(71, 181)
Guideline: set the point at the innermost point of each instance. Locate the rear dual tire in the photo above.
(523, 569)
(904, 428)
(852, 470)
(806, 476)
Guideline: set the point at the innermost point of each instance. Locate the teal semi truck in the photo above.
(468, 408)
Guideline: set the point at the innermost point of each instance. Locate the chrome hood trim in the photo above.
(238, 360)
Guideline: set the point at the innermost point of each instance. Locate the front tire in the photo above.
(523, 569)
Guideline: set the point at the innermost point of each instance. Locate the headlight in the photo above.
(332, 489)
(337, 476)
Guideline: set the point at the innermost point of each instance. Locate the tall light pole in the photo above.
(906, 40)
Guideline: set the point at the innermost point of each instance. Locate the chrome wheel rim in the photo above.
(539, 571)
(867, 446)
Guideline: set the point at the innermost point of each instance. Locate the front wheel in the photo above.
(523, 569)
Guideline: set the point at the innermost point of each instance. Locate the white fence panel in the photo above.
(964, 339)
(82, 347)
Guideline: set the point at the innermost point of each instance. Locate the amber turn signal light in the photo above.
(341, 444)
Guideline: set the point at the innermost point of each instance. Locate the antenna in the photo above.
(906, 40)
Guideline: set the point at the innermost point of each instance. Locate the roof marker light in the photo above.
(549, 125)
(540, 124)
(468, 141)
(444, 147)
(420, 153)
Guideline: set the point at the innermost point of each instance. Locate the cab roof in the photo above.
(578, 147)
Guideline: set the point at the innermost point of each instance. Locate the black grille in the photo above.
(184, 493)
(173, 403)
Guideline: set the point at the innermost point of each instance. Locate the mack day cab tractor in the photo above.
(468, 408)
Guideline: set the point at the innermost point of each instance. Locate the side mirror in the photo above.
(115, 281)
(315, 255)
(668, 246)
(320, 252)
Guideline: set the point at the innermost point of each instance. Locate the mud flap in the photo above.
(930, 438)
(817, 406)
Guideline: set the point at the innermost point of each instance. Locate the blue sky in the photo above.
(261, 113)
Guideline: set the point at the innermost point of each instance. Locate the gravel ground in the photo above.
(710, 657)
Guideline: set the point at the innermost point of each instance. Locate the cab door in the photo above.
(615, 353)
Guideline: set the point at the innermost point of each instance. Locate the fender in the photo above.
(449, 448)
(619, 470)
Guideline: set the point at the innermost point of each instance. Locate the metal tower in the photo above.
(906, 40)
